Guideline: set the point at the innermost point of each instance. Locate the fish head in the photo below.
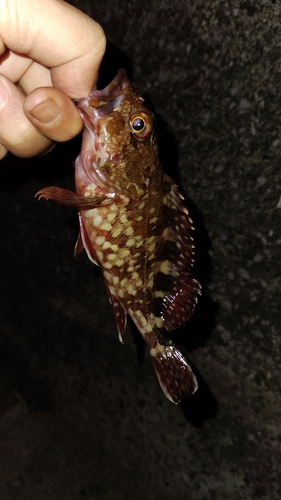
(118, 139)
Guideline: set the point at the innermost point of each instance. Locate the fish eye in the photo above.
(138, 124)
(142, 124)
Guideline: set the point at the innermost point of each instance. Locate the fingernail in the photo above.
(45, 112)
(4, 92)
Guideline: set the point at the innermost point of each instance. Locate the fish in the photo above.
(135, 226)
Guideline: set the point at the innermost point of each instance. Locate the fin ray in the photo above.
(175, 375)
(79, 247)
(173, 262)
(178, 305)
(69, 198)
(120, 315)
(86, 242)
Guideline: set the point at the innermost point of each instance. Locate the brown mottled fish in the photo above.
(134, 225)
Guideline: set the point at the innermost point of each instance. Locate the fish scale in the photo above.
(134, 225)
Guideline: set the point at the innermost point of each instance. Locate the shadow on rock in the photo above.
(202, 405)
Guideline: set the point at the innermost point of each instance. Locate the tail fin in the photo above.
(175, 375)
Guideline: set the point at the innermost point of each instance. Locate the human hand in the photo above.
(50, 53)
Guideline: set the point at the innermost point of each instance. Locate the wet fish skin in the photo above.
(134, 225)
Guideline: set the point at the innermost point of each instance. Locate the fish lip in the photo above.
(90, 115)
(100, 103)
(118, 84)
(99, 98)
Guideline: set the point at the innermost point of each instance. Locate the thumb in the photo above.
(53, 114)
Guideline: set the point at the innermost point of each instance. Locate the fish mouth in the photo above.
(119, 84)
(100, 98)
(100, 103)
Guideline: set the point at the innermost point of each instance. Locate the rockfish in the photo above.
(134, 225)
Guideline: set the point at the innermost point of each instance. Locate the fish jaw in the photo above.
(98, 98)
(92, 117)
(98, 105)
(96, 111)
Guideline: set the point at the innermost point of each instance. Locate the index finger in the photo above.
(58, 36)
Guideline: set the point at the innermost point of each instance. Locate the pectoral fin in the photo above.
(71, 199)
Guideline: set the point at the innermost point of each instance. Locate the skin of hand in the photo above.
(50, 53)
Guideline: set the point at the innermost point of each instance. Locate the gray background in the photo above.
(211, 72)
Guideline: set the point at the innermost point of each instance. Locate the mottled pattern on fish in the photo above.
(134, 225)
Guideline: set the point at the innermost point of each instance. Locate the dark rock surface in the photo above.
(211, 71)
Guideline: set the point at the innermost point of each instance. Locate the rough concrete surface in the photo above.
(46, 458)
(211, 71)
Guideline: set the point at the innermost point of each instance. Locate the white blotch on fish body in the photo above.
(131, 242)
(111, 216)
(106, 226)
(116, 232)
(112, 256)
(97, 220)
(100, 240)
(129, 231)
